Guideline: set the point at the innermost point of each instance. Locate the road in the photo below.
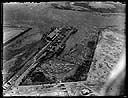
(14, 38)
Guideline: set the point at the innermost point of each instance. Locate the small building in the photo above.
(53, 34)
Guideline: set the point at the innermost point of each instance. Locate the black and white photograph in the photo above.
(64, 48)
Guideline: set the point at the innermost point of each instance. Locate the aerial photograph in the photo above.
(64, 48)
